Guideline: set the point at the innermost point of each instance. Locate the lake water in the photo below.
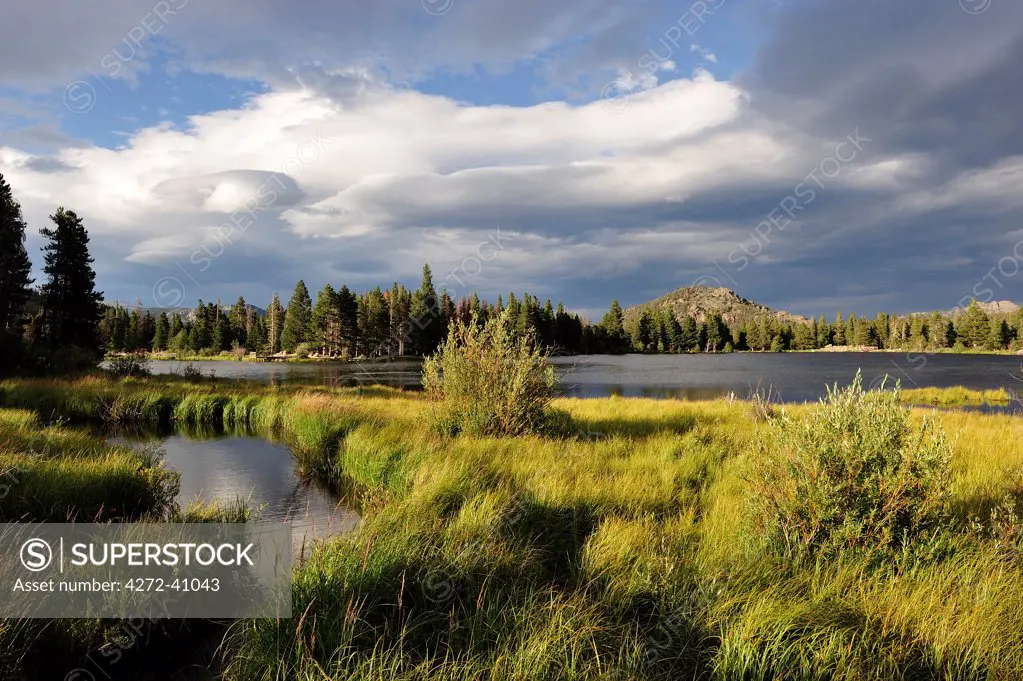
(795, 377)
(262, 473)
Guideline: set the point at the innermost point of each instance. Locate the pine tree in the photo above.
(804, 337)
(690, 335)
(1001, 334)
(378, 322)
(348, 320)
(613, 325)
(160, 338)
(643, 334)
(221, 339)
(240, 321)
(255, 341)
(325, 321)
(274, 325)
(427, 322)
(717, 333)
(71, 304)
(14, 263)
(974, 327)
(936, 327)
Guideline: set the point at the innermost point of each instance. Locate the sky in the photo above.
(812, 155)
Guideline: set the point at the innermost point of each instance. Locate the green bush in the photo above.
(490, 382)
(131, 365)
(854, 475)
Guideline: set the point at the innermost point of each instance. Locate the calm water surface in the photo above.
(796, 377)
(262, 473)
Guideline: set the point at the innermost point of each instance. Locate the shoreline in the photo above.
(161, 357)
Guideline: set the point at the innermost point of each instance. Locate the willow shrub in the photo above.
(490, 382)
(854, 475)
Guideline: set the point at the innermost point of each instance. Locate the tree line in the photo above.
(64, 325)
(342, 323)
(970, 329)
(54, 328)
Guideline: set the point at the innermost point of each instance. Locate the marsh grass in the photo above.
(955, 397)
(629, 550)
(54, 474)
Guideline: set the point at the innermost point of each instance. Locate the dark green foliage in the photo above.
(162, 334)
(274, 325)
(974, 328)
(71, 304)
(297, 319)
(14, 263)
(855, 475)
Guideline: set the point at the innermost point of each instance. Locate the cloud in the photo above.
(343, 171)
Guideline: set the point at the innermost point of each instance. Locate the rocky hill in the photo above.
(994, 307)
(699, 301)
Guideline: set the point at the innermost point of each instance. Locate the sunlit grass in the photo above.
(956, 397)
(621, 549)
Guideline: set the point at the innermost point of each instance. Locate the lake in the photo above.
(262, 473)
(795, 377)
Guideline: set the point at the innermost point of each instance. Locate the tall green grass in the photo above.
(625, 548)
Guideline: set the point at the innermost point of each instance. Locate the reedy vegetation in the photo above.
(628, 549)
(488, 382)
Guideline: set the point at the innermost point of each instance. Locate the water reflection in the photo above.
(216, 467)
(794, 377)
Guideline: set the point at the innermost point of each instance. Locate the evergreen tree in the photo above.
(160, 338)
(14, 263)
(325, 321)
(974, 327)
(643, 334)
(176, 325)
(804, 337)
(427, 323)
(1001, 334)
(71, 304)
(689, 336)
(255, 340)
(378, 329)
(717, 333)
(297, 318)
(840, 339)
(348, 319)
(938, 335)
(823, 333)
(274, 325)
(613, 326)
(240, 321)
(221, 335)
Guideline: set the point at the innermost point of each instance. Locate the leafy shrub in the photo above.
(489, 381)
(762, 402)
(1004, 528)
(132, 365)
(853, 475)
(192, 373)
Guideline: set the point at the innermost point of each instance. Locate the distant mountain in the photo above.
(699, 301)
(184, 312)
(994, 307)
